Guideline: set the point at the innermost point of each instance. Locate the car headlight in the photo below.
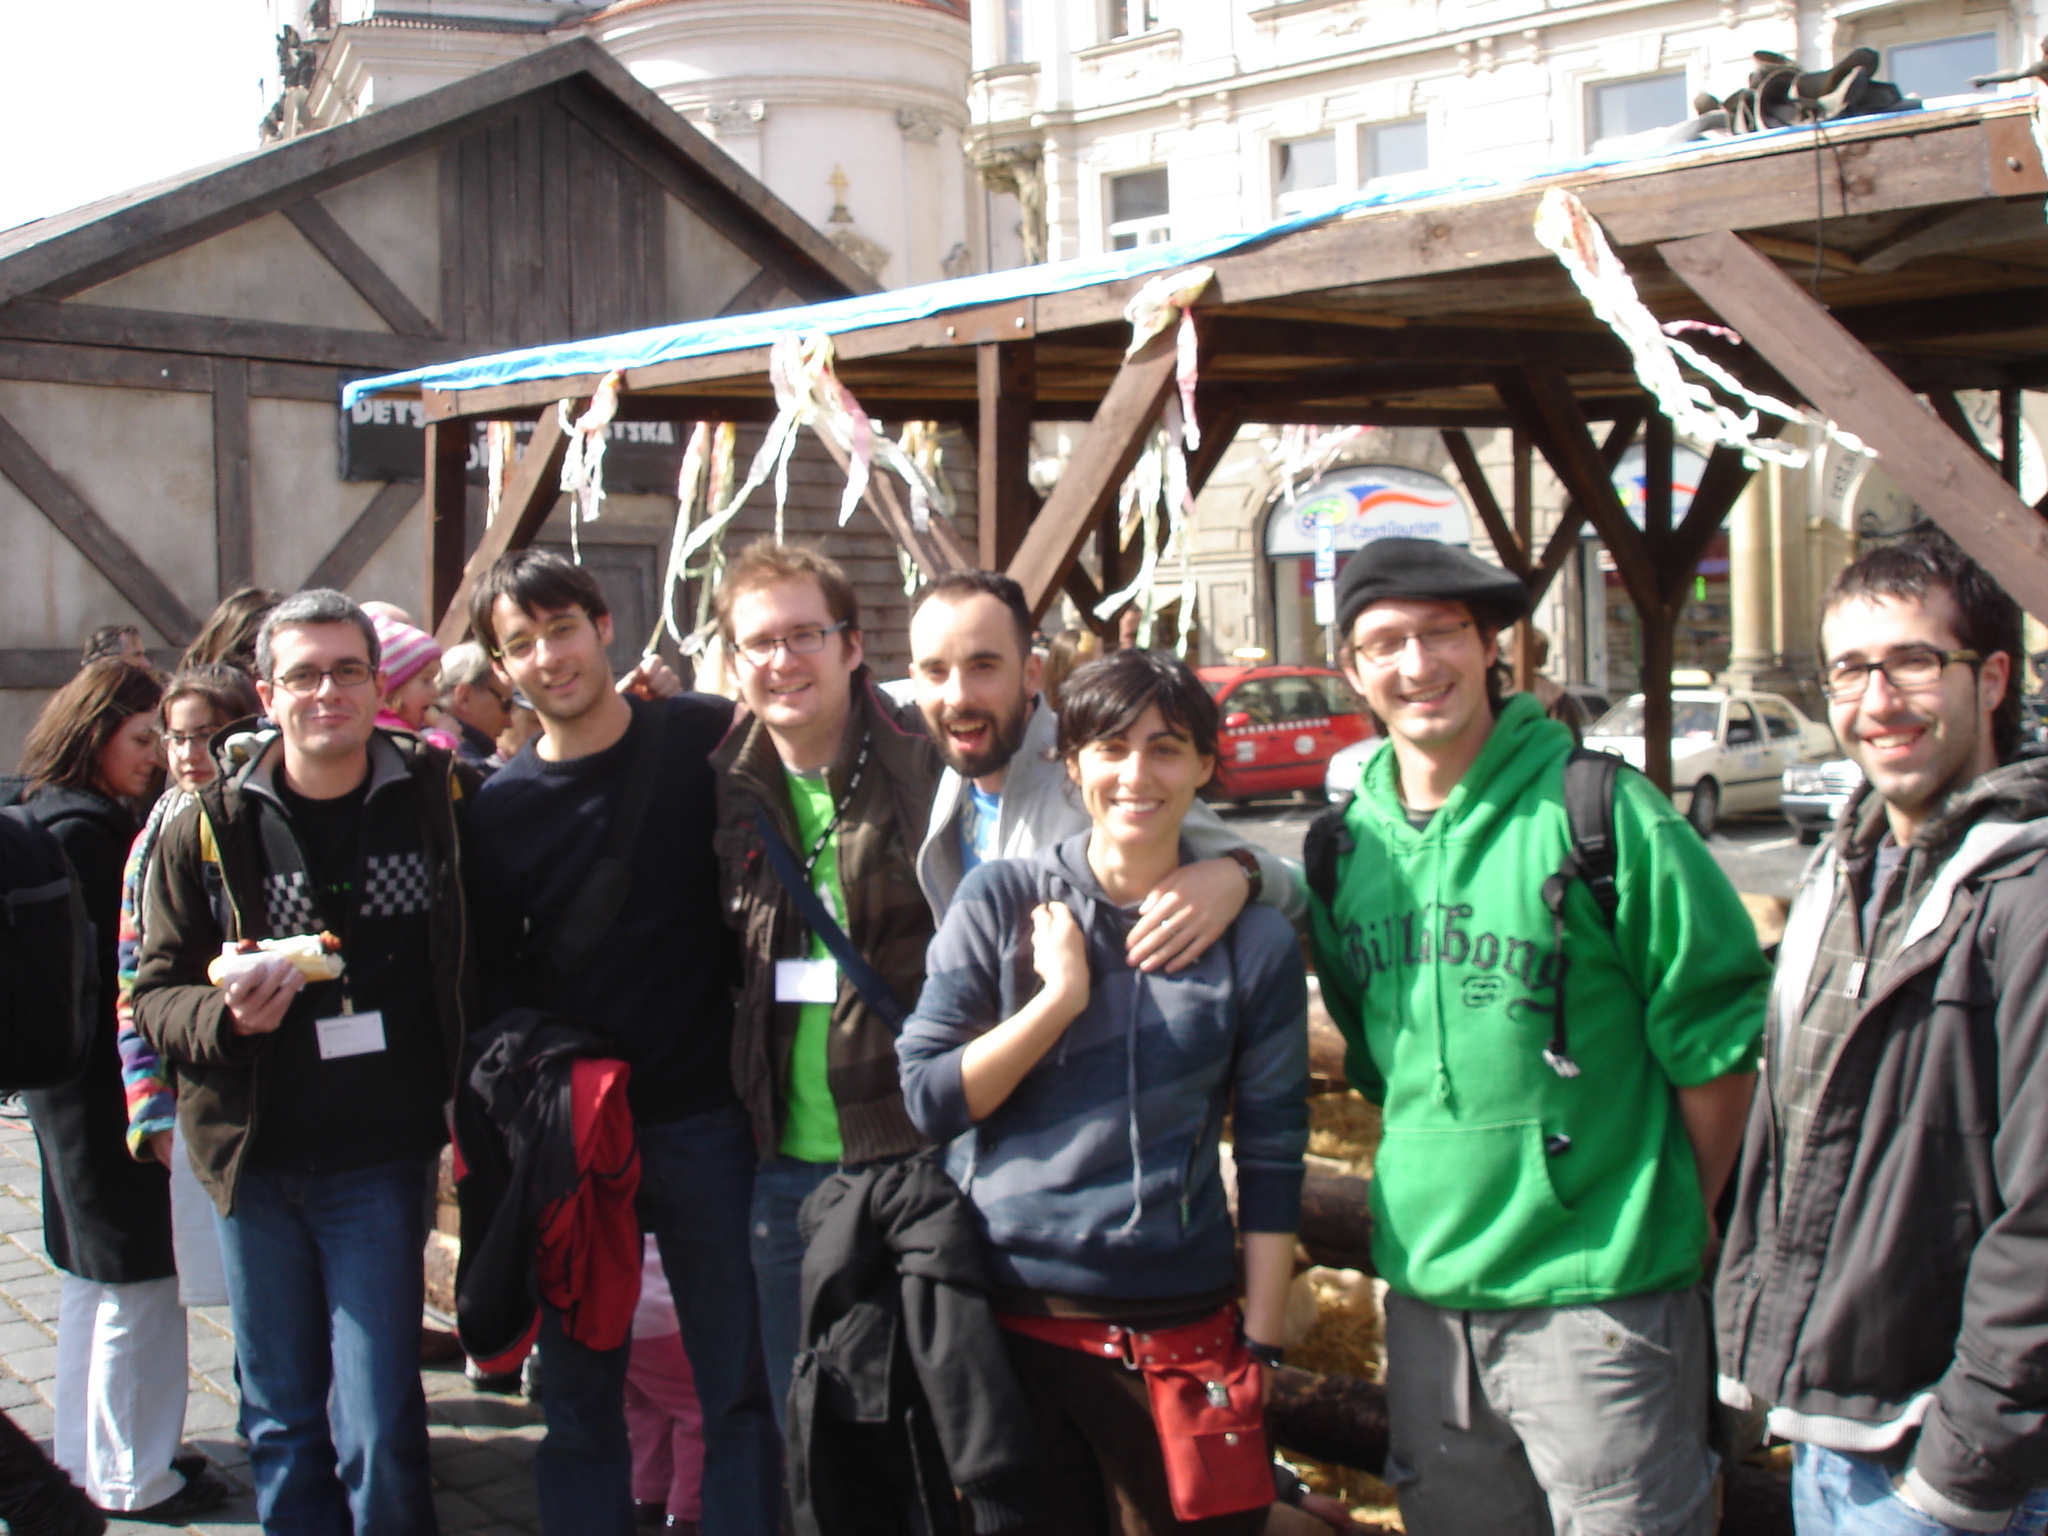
(1804, 779)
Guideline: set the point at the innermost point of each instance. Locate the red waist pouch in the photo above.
(1204, 1388)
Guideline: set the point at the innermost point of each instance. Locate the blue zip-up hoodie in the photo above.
(1099, 1175)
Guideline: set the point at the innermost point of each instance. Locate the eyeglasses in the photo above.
(555, 632)
(798, 642)
(1384, 651)
(181, 741)
(308, 678)
(1916, 666)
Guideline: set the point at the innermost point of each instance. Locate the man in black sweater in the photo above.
(659, 982)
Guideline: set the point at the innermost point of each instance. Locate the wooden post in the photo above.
(2009, 436)
(1948, 477)
(1525, 535)
(1088, 488)
(234, 516)
(1659, 628)
(447, 498)
(1006, 381)
(531, 491)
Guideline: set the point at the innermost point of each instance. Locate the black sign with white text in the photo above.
(387, 440)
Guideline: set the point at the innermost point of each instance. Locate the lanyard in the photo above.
(860, 765)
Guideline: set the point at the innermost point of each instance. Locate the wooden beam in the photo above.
(45, 362)
(1946, 476)
(1219, 431)
(22, 667)
(103, 325)
(936, 547)
(234, 511)
(1724, 479)
(759, 292)
(94, 537)
(1510, 549)
(1574, 351)
(1006, 381)
(1564, 538)
(1086, 595)
(372, 528)
(447, 497)
(1996, 313)
(1957, 420)
(531, 491)
(2009, 436)
(1523, 471)
(1088, 487)
(325, 234)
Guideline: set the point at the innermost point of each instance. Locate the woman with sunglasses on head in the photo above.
(1083, 1102)
(121, 1383)
(198, 704)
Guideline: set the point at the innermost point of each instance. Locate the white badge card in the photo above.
(350, 1034)
(807, 981)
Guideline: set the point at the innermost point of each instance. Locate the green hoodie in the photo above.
(1436, 962)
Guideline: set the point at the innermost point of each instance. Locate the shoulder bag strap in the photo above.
(874, 991)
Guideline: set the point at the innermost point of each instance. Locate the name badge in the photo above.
(350, 1034)
(807, 981)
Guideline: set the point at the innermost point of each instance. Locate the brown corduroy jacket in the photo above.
(888, 919)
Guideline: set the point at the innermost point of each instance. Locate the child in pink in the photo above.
(663, 1420)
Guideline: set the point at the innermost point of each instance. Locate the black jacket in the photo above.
(904, 1390)
(106, 1217)
(1906, 1254)
(208, 884)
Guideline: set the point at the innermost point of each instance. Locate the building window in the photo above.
(1942, 67)
(1393, 149)
(1013, 31)
(1615, 109)
(1304, 171)
(1128, 18)
(1138, 210)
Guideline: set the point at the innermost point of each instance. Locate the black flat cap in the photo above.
(1422, 570)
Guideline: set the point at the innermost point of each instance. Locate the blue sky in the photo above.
(108, 96)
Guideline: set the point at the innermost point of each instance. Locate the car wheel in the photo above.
(1705, 807)
(1808, 836)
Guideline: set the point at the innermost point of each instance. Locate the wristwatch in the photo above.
(1271, 1356)
(1249, 863)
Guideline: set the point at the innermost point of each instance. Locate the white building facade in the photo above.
(1104, 124)
(854, 112)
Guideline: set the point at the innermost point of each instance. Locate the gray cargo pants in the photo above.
(1582, 1421)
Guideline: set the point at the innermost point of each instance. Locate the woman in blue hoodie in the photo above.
(1083, 1102)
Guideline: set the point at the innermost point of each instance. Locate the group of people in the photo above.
(968, 992)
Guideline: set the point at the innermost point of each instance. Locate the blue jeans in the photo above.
(325, 1278)
(781, 1185)
(696, 1180)
(1835, 1494)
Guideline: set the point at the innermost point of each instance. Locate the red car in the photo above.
(1280, 727)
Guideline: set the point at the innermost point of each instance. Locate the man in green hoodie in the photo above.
(1542, 1191)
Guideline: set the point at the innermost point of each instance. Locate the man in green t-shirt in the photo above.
(1559, 1120)
(824, 778)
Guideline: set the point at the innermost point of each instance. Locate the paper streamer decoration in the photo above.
(501, 441)
(1569, 231)
(583, 464)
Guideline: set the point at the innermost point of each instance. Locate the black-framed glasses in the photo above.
(1911, 667)
(179, 741)
(308, 678)
(1383, 651)
(798, 642)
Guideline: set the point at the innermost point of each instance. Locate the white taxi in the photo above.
(1729, 747)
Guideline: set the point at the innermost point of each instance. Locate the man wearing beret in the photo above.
(1559, 1118)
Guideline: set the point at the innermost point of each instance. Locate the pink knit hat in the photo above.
(406, 651)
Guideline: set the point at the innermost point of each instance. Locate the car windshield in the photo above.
(1691, 719)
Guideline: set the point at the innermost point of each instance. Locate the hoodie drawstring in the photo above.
(1131, 1097)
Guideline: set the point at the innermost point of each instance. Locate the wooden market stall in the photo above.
(1929, 259)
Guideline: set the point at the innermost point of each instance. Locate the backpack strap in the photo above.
(1589, 779)
(1326, 841)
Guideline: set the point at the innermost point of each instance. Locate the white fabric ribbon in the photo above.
(1569, 231)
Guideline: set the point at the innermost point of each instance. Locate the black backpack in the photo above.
(1589, 808)
(47, 983)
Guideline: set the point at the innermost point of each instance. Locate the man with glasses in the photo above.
(824, 788)
(658, 980)
(1559, 1116)
(314, 1110)
(1881, 1298)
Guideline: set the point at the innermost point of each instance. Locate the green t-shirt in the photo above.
(811, 1133)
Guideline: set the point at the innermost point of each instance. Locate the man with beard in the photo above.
(1004, 795)
(1880, 1297)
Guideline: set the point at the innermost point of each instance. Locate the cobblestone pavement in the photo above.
(483, 1444)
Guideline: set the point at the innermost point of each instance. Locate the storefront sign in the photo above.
(384, 439)
(1363, 502)
(1686, 469)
